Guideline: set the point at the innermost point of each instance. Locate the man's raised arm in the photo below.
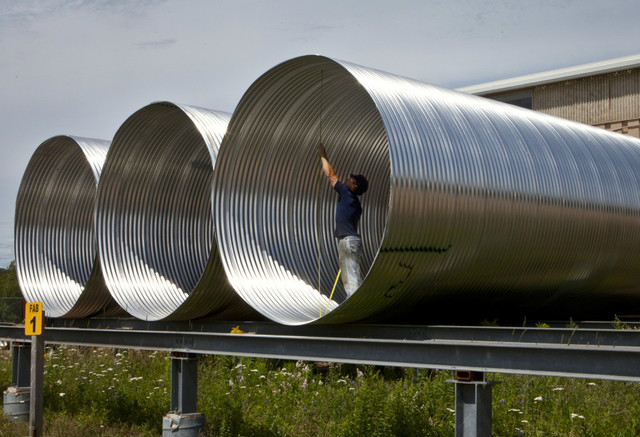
(326, 167)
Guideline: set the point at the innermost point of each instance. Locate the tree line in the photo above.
(10, 296)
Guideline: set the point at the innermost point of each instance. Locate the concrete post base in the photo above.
(16, 403)
(182, 425)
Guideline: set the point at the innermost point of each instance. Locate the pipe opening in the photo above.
(269, 186)
(54, 226)
(154, 214)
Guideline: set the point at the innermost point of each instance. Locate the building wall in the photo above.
(610, 101)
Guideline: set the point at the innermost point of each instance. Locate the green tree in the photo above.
(10, 296)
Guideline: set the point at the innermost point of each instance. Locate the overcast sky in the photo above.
(81, 67)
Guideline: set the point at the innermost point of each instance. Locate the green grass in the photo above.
(104, 392)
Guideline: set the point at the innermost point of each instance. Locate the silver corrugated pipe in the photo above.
(55, 245)
(470, 202)
(155, 228)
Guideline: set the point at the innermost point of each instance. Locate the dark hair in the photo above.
(363, 184)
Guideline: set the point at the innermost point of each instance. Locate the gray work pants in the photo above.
(349, 254)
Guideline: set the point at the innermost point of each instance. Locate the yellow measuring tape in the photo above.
(332, 290)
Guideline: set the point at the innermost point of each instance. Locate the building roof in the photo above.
(563, 74)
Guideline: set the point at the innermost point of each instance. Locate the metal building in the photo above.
(605, 94)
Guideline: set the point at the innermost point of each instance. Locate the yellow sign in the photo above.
(33, 318)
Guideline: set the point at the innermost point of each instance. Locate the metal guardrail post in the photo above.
(20, 364)
(184, 382)
(183, 420)
(16, 397)
(473, 404)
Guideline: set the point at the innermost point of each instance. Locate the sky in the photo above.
(81, 67)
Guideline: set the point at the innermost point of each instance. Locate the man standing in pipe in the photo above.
(348, 212)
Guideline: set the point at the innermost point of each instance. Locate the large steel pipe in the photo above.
(474, 206)
(55, 244)
(154, 219)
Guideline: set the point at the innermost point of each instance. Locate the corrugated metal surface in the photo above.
(624, 95)
(470, 201)
(593, 100)
(55, 244)
(155, 229)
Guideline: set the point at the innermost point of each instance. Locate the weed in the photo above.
(107, 392)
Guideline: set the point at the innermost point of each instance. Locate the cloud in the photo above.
(158, 44)
(27, 11)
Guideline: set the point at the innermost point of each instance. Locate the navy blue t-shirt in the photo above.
(348, 211)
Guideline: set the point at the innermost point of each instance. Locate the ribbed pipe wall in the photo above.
(154, 219)
(55, 244)
(471, 204)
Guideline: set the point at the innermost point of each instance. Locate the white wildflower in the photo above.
(62, 394)
(538, 399)
(576, 416)
(254, 370)
(558, 389)
(592, 384)
(451, 410)
(514, 410)
(59, 382)
(524, 421)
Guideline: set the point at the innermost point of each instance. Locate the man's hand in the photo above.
(326, 167)
(321, 151)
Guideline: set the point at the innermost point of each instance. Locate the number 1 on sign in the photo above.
(33, 317)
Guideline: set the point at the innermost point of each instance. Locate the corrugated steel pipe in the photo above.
(471, 204)
(55, 245)
(154, 220)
